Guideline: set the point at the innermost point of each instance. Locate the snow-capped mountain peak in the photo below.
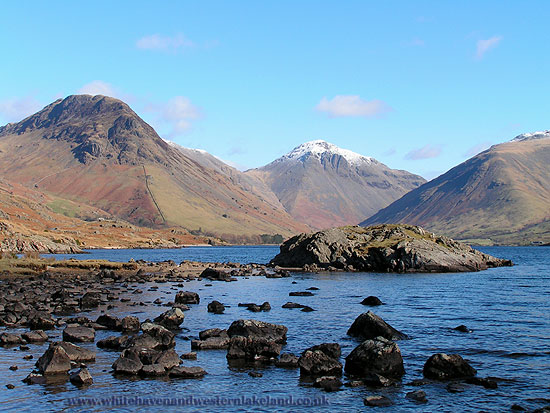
(318, 148)
(532, 136)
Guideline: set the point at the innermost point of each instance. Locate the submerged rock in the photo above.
(382, 248)
(216, 307)
(187, 297)
(82, 377)
(372, 301)
(54, 361)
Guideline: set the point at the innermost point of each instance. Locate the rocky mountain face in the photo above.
(500, 196)
(324, 186)
(382, 248)
(96, 151)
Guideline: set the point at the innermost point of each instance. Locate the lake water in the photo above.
(508, 310)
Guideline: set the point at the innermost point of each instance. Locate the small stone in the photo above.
(81, 378)
(187, 372)
(377, 401)
(372, 301)
(216, 307)
(463, 329)
(10, 386)
(417, 396)
(328, 383)
(189, 356)
(13, 368)
(517, 408)
(78, 334)
(455, 388)
(255, 374)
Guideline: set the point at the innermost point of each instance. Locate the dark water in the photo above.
(508, 310)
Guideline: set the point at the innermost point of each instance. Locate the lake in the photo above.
(506, 308)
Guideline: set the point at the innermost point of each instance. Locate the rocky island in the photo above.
(382, 248)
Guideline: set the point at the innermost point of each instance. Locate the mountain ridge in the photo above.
(324, 186)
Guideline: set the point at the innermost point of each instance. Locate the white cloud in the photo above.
(483, 46)
(480, 147)
(159, 42)
(99, 87)
(16, 109)
(426, 152)
(352, 105)
(177, 114)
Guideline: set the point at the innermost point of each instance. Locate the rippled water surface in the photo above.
(508, 310)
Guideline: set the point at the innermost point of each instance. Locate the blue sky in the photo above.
(418, 85)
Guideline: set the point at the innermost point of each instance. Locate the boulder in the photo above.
(41, 321)
(171, 319)
(447, 367)
(216, 307)
(258, 329)
(81, 377)
(36, 336)
(110, 321)
(54, 361)
(211, 339)
(253, 349)
(187, 372)
(78, 334)
(377, 401)
(368, 326)
(127, 365)
(153, 370)
(130, 324)
(8, 339)
(91, 299)
(287, 360)
(165, 337)
(168, 359)
(187, 297)
(216, 275)
(372, 301)
(320, 361)
(114, 342)
(382, 248)
(76, 353)
(377, 356)
(328, 383)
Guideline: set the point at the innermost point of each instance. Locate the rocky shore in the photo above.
(381, 248)
(52, 300)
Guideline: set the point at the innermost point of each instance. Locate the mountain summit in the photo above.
(501, 195)
(324, 186)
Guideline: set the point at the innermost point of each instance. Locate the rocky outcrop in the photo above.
(382, 248)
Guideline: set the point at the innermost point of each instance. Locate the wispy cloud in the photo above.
(178, 114)
(426, 152)
(16, 109)
(484, 45)
(158, 42)
(99, 87)
(474, 150)
(416, 42)
(352, 105)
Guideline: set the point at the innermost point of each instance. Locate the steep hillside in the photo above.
(325, 186)
(500, 196)
(95, 150)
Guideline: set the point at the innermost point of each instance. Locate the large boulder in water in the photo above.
(258, 329)
(54, 361)
(376, 357)
(383, 248)
(447, 367)
(321, 360)
(368, 326)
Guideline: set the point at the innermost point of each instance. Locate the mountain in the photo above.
(324, 186)
(501, 195)
(96, 151)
